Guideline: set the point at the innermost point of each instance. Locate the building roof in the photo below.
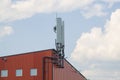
(44, 51)
(28, 53)
(74, 68)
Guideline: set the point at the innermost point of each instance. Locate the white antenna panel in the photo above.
(60, 31)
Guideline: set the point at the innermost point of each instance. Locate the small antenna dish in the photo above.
(59, 30)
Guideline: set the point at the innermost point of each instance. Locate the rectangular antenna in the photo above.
(59, 29)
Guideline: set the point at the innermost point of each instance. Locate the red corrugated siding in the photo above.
(25, 62)
(35, 60)
(67, 73)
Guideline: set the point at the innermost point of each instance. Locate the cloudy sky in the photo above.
(92, 29)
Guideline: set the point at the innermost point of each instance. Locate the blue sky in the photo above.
(92, 28)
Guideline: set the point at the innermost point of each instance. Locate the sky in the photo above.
(92, 29)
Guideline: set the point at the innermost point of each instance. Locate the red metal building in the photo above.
(39, 65)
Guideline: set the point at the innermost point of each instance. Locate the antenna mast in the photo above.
(59, 30)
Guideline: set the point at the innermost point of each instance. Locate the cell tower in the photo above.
(59, 30)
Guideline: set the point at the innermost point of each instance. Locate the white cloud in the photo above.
(98, 46)
(101, 74)
(65, 5)
(111, 2)
(5, 31)
(94, 10)
(20, 9)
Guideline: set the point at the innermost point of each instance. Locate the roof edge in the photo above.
(27, 53)
(75, 68)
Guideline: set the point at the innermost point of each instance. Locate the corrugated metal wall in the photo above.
(42, 61)
(67, 73)
(25, 62)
